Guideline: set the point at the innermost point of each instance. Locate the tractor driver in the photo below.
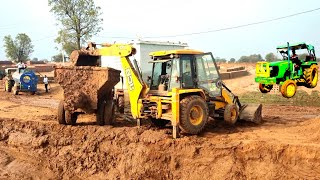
(20, 66)
(295, 61)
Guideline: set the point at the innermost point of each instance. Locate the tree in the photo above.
(57, 58)
(270, 57)
(232, 60)
(252, 58)
(18, 49)
(220, 60)
(35, 59)
(79, 19)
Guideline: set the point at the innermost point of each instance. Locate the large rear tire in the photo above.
(265, 88)
(231, 114)
(288, 88)
(105, 114)
(121, 104)
(311, 76)
(61, 113)
(194, 114)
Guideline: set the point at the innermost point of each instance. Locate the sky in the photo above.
(128, 20)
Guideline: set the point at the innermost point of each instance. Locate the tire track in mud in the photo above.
(91, 152)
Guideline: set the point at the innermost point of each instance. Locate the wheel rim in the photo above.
(233, 114)
(315, 78)
(196, 115)
(7, 85)
(291, 89)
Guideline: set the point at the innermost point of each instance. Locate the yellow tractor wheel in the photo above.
(288, 88)
(311, 76)
(231, 114)
(194, 114)
(265, 88)
(8, 86)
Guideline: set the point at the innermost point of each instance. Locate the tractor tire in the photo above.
(288, 88)
(8, 86)
(231, 114)
(311, 76)
(105, 113)
(120, 105)
(194, 114)
(61, 113)
(108, 113)
(265, 88)
(70, 118)
(100, 113)
(159, 122)
(33, 92)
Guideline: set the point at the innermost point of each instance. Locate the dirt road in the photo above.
(34, 146)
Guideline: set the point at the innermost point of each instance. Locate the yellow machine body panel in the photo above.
(134, 85)
(262, 69)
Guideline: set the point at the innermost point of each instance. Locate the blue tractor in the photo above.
(22, 80)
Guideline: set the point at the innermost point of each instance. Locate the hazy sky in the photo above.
(127, 20)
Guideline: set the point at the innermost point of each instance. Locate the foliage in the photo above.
(220, 60)
(79, 19)
(270, 57)
(18, 49)
(57, 58)
(35, 59)
(251, 58)
(232, 60)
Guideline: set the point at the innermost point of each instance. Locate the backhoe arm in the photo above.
(137, 88)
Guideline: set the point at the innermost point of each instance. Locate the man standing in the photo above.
(45, 81)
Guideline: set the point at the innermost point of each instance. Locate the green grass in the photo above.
(301, 98)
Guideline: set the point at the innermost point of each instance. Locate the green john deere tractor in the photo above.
(290, 72)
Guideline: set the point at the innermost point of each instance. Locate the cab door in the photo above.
(207, 74)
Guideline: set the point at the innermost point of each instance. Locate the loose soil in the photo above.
(34, 146)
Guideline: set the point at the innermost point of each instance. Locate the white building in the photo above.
(142, 56)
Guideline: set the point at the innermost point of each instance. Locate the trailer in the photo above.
(87, 89)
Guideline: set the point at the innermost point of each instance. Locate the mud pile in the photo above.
(50, 151)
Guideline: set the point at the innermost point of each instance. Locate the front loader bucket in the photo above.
(251, 112)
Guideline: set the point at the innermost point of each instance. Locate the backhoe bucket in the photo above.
(251, 112)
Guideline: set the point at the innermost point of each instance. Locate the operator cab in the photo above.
(184, 69)
(309, 56)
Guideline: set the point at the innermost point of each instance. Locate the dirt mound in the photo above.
(94, 152)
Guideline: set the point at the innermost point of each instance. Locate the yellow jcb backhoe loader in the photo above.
(184, 88)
